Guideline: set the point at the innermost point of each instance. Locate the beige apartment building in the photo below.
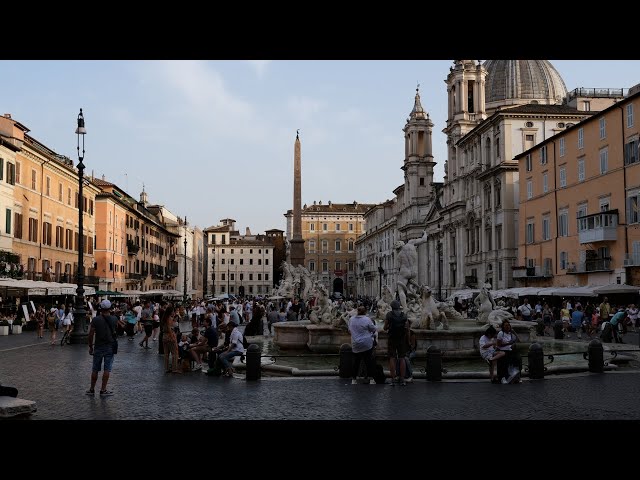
(45, 213)
(330, 232)
(579, 213)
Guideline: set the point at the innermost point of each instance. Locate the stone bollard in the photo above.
(345, 369)
(596, 356)
(558, 334)
(536, 361)
(434, 364)
(253, 362)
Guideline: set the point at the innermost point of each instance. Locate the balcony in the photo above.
(470, 280)
(132, 248)
(594, 265)
(599, 227)
(631, 260)
(537, 271)
(134, 276)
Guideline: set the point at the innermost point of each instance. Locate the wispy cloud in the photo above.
(260, 66)
(304, 108)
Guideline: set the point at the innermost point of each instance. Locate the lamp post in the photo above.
(184, 301)
(213, 278)
(439, 260)
(79, 333)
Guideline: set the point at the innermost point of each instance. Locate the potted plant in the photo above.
(17, 326)
(4, 327)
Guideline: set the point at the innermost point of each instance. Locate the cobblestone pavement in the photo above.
(57, 377)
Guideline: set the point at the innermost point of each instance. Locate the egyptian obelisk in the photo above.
(296, 252)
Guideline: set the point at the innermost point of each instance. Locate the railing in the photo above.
(595, 265)
(596, 93)
(631, 260)
(470, 280)
(132, 248)
(133, 276)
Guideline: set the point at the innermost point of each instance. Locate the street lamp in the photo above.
(213, 278)
(184, 301)
(79, 333)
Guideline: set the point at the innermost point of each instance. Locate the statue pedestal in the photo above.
(326, 339)
(291, 335)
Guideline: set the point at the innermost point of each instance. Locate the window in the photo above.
(312, 227)
(324, 227)
(69, 196)
(580, 138)
(351, 227)
(259, 261)
(630, 115)
(224, 239)
(528, 138)
(563, 177)
(266, 277)
(325, 246)
(604, 160)
(266, 261)
(529, 124)
(581, 170)
(351, 245)
(223, 275)
(251, 276)
(337, 227)
(586, 105)
(33, 230)
(46, 233)
(633, 208)
(603, 128)
(631, 152)
(312, 266)
(421, 181)
(48, 187)
(68, 239)
(563, 223)
(312, 246)
(33, 179)
(2, 167)
(242, 261)
(17, 221)
(543, 155)
(529, 189)
(59, 237)
(338, 246)
(7, 225)
(325, 266)
(250, 261)
(11, 173)
(564, 260)
(582, 222)
(222, 261)
(18, 172)
(338, 266)
(60, 192)
(530, 228)
(233, 261)
(545, 182)
(546, 227)
(562, 147)
(529, 164)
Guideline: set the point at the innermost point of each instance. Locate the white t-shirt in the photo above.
(506, 337)
(487, 353)
(236, 341)
(525, 310)
(68, 319)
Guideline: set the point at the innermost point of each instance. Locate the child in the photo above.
(489, 353)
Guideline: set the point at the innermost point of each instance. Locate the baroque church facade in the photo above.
(496, 110)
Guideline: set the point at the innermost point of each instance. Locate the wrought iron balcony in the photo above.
(594, 265)
(132, 248)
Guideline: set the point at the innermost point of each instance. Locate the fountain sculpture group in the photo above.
(434, 323)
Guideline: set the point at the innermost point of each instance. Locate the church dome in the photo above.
(515, 82)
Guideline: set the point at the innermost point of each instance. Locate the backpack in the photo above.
(397, 322)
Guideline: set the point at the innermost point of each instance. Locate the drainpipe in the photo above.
(555, 200)
(624, 181)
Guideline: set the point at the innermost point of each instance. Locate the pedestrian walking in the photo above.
(102, 335)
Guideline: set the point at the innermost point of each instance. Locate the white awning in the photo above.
(616, 288)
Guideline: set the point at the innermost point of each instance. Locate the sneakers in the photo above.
(403, 383)
(90, 392)
(197, 367)
(409, 379)
(106, 393)
(504, 381)
(354, 381)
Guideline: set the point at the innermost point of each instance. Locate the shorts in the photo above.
(487, 354)
(102, 352)
(156, 324)
(397, 345)
(148, 329)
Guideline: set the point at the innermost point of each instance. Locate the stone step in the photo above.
(10, 407)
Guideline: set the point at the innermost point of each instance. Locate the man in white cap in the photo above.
(102, 335)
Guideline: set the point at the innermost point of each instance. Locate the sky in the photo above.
(214, 139)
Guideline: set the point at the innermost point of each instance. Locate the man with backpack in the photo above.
(397, 324)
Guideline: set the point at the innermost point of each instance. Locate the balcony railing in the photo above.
(133, 276)
(631, 260)
(594, 265)
(596, 93)
(537, 271)
(470, 280)
(132, 248)
(599, 227)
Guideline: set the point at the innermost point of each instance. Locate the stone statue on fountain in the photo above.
(488, 312)
(384, 304)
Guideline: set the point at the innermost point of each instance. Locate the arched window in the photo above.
(487, 156)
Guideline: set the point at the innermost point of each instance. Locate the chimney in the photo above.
(103, 177)
(247, 232)
(329, 202)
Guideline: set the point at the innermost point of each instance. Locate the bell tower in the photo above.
(418, 156)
